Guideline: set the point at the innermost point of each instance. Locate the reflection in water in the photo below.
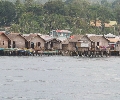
(59, 78)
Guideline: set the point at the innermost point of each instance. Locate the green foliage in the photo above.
(7, 13)
(75, 15)
(117, 10)
(35, 9)
(54, 7)
(15, 28)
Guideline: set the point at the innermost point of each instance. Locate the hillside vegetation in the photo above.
(75, 15)
(44, 1)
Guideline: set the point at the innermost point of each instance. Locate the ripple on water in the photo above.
(59, 78)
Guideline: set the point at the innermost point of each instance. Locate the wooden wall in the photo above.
(3, 41)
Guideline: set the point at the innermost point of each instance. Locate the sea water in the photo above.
(59, 78)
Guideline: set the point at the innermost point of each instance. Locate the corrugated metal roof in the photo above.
(113, 23)
(110, 35)
(113, 40)
(64, 31)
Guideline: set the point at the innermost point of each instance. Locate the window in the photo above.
(92, 43)
(13, 42)
(3, 42)
(97, 43)
(32, 45)
(39, 43)
(14, 45)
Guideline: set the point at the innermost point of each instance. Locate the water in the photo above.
(59, 78)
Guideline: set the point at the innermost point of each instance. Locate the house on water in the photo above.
(99, 42)
(72, 43)
(5, 41)
(17, 40)
(85, 44)
(35, 41)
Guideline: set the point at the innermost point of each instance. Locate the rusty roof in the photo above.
(31, 36)
(14, 35)
(73, 38)
(63, 31)
(96, 38)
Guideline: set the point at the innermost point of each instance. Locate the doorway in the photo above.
(14, 44)
(32, 45)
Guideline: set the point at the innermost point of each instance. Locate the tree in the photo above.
(7, 13)
(28, 3)
(17, 3)
(15, 28)
(35, 9)
(54, 7)
(116, 6)
(117, 10)
(19, 9)
(104, 17)
(104, 2)
(28, 24)
(30, 16)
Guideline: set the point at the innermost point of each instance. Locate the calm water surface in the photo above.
(59, 78)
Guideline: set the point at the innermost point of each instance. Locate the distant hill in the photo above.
(100, 0)
(43, 1)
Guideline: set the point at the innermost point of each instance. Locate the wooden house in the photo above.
(53, 44)
(17, 40)
(114, 43)
(72, 43)
(4, 41)
(85, 44)
(99, 42)
(65, 44)
(35, 41)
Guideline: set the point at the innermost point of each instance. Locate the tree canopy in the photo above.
(75, 15)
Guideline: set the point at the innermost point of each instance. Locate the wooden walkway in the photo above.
(29, 52)
(91, 53)
(15, 52)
